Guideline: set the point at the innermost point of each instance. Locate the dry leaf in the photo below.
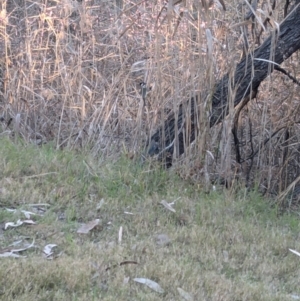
(8, 252)
(101, 203)
(29, 222)
(120, 235)
(295, 252)
(11, 224)
(26, 213)
(18, 223)
(151, 284)
(168, 205)
(86, 228)
(15, 243)
(184, 294)
(11, 254)
(48, 249)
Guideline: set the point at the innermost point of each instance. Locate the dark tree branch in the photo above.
(249, 73)
(287, 74)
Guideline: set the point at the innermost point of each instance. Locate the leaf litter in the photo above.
(151, 284)
(11, 252)
(86, 228)
(185, 295)
(19, 223)
(26, 213)
(168, 205)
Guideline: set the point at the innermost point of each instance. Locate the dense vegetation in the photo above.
(84, 214)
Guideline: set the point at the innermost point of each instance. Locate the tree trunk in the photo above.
(249, 73)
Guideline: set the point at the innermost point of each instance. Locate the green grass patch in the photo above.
(216, 246)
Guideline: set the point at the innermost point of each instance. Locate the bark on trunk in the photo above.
(249, 73)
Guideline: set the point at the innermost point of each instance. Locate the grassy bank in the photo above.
(215, 246)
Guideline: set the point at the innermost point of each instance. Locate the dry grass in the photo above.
(223, 246)
(69, 78)
(70, 74)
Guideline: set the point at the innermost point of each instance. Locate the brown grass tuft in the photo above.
(70, 73)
